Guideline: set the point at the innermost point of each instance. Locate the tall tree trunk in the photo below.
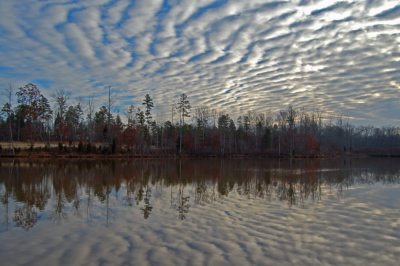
(11, 135)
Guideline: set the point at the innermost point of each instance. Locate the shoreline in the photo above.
(40, 150)
(103, 151)
(89, 156)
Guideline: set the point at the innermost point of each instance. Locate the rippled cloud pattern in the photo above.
(340, 57)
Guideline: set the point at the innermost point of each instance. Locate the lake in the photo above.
(200, 212)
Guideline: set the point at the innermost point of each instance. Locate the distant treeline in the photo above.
(196, 131)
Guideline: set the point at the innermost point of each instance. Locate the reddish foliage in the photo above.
(130, 137)
(312, 144)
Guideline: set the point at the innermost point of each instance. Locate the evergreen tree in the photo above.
(148, 104)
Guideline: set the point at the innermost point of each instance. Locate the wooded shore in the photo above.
(107, 151)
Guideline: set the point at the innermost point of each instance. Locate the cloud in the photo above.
(327, 55)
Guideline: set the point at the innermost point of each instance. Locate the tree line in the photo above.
(198, 131)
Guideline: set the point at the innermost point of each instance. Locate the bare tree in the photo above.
(130, 115)
(202, 117)
(61, 98)
(291, 120)
(7, 108)
(110, 105)
(90, 112)
(183, 107)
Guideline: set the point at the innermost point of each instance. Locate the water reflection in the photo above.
(31, 191)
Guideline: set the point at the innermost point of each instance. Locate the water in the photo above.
(200, 212)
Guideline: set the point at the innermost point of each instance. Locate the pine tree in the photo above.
(148, 103)
(183, 107)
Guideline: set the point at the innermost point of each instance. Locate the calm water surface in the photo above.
(200, 212)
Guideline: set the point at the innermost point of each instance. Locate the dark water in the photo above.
(213, 212)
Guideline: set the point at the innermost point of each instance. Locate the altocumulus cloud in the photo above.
(340, 57)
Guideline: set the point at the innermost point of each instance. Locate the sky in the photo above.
(338, 57)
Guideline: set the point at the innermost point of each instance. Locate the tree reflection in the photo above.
(64, 188)
(25, 217)
(59, 213)
(139, 195)
(5, 201)
(287, 193)
(180, 202)
(204, 193)
(130, 192)
(146, 209)
(6, 194)
(88, 204)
